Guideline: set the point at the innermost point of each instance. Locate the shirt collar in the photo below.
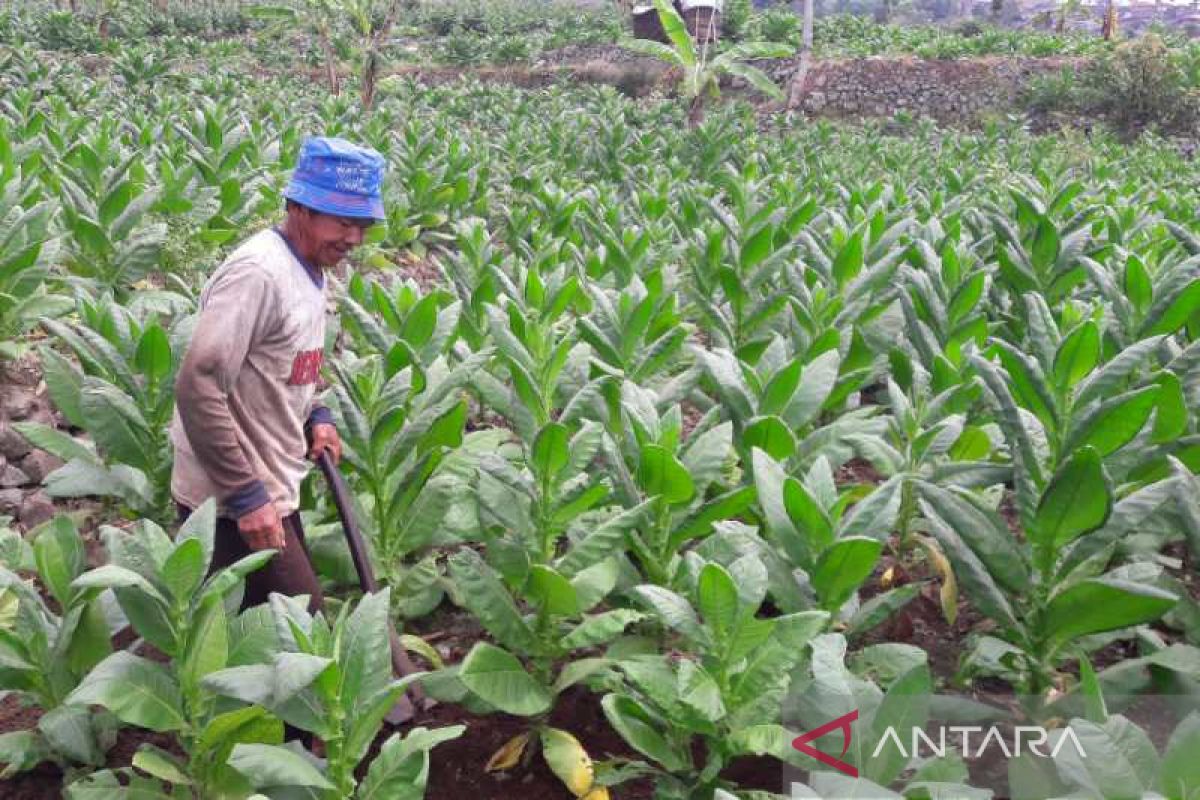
(314, 273)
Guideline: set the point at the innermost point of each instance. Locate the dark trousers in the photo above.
(290, 572)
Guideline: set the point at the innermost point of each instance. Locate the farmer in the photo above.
(245, 413)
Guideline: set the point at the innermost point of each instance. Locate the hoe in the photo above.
(415, 700)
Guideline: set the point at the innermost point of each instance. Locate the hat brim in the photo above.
(339, 204)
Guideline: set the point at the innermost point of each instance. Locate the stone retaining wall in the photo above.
(945, 90)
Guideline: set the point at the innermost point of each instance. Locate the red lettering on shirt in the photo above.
(306, 367)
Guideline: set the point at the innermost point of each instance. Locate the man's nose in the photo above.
(355, 236)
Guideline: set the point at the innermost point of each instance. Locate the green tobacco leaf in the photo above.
(153, 356)
(842, 568)
(1078, 355)
(160, 764)
(1115, 421)
(772, 436)
(1103, 604)
(486, 597)
(60, 557)
(498, 678)
(717, 598)
(661, 474)
(779, 390)
(400, 770)
(637, 728)
(137, 691)
(1179, 773)
(184, 570)
(1077, 500)
(552, 592)
(267, 765)
(551, 449)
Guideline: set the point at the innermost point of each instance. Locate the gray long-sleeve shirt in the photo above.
(247, 383)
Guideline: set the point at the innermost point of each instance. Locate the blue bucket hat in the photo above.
(338, 177)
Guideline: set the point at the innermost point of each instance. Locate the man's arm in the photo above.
(239, 309)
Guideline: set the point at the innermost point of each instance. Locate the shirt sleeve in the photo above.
(239, 309)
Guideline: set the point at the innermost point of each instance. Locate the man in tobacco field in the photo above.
(245, 410)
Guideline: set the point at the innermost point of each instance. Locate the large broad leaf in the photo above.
(267, 766)
(1103, 604)
(842, 568)
(717, 598)
(1077, 500)
(639, 729)
(400, 770)
(1114, 423)
(1179, 773)
(661, 474)
(69, 730)
(485, 596)
(60, 556)
(137, 691)
(551, 450)
(497, 677)
(569, 761)
(552, 592)
(116, 423)
(366, 657)
(970, 571)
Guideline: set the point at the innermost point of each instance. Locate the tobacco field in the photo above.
(670, 443)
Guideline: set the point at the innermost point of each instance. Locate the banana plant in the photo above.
(29, 245)
(167, 593)
(723, 686)
(552, 548)
(701, 70)
(122, 394)
(45, 652)
(333, 679)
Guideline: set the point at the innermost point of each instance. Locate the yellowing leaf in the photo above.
(570, 762)
(508, 755)
(949, 591)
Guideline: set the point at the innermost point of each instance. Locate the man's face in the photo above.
(332, 238)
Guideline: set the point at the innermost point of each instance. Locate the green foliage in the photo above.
(333, 679)
(166, 592)
(47, 649)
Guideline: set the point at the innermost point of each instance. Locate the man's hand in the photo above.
(325, 438)
(262, 528)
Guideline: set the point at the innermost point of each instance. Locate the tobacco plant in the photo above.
(332, 679)
(45, 651)
(551, 559)
(724, 685)
(166, 592)
(122, 394)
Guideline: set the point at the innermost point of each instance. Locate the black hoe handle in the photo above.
(401, 664)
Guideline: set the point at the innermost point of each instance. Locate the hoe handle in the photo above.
(401, 664)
